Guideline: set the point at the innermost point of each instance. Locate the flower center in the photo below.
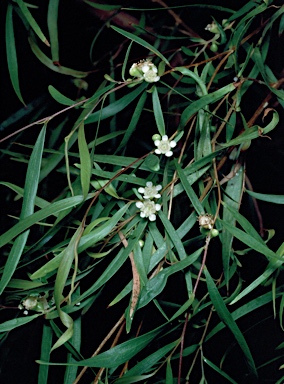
(164, 146)
(149, 207)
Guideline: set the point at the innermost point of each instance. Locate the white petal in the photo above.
(149, 184)
(141, 190)
(173, 144)
(145, 68)
(157, 196)
(158, 187)
(165, 138)
(169, 153)
(139, 204)
(157, 151)
(152, 217)
(142, 214)
(157, 142)
(158, 207)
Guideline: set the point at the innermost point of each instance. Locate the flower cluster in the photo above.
(148, 207)
(35, 302)
(164, 146)
(145, 70)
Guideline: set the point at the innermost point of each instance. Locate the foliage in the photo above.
(131, 221)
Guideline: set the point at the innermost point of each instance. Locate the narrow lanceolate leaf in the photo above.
(12, 53)
(232, 198)
(227, 318)
(133, 122)
(46, 344)
(117, 106)
(156, 285)
(173, 235)
(52, 17)
(62, 274)
(18, 322)
(189, 190)
(49, 63)
(251, 241)
(34, 25)
(118, 354)
(158, 113)
(59, 97)
(30, 190)
(142, 42)
(202, 102)
(275, 199)
(52, 209)
(85, 161)
(272, 267)
(147, 363)
(255, 131)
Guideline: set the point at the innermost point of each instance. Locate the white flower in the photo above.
(150, 191)
(145, 69)
(164, 146)
(148, 209)
(151, 76)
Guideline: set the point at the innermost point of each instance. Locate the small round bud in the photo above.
(245, 145)
(141, 243)
(214, 232)
(156, 137)
(214, 47)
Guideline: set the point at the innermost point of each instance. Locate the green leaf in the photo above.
(46, 343)
(85, 161)
(142, 42)
(61, 99)
(30, 191)
(117, 106)
(34, 25)
(253, 132)
(227, 318)
(251, 241)
(15, 323)
(117, 355)
(49, 63)
(12, 53)
(103, 7)
(156, 285)
(64, 268)
(189, 190)
(245, 309)
(102, 231)
(275, 199)
(24, 284)
(159, 118)
(272, 267)
(202, 102)
(133, 122)
(220, 371)
(232, 198)
(52, 209)
(117, 262)
(52, 17)
(173, 235)
(146, 364)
